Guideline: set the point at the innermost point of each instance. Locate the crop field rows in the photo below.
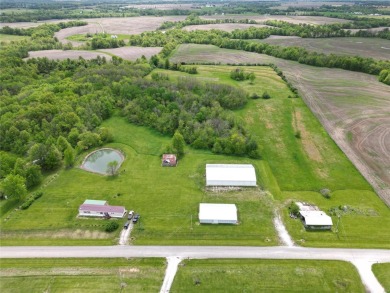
(366, 47)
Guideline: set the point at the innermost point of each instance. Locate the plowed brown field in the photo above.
(71, 54)
(228, 27)
(289, 18)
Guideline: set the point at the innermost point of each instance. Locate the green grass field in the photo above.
(9, 38)
(266, 276)
(382, 272)
(168, 198)
(84, 37)
(81, 275)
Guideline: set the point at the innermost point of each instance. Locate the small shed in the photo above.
(214, 213)
(230, 175)
(169, 160)
(93, 210)
(317, 220)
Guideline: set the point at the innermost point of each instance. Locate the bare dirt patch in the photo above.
(228, 27)
(133, 53)
(71, 54)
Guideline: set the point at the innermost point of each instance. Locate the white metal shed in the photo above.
(215, 213)
(316, 220)
(230, 175)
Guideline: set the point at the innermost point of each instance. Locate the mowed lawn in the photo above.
(81, 275)
(166, 198)
(382, 272)
(266, 276)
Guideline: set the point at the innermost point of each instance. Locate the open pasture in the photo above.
(228, 27)
(353, 107)
(71, 54)
(365, 47)
(266, 276)
(12, 38)
(81, 275)
(133, 53)
(296, 19)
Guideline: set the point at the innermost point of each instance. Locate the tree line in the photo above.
(238, 40)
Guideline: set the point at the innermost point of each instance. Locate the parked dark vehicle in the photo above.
(126, 225)
(135, 218)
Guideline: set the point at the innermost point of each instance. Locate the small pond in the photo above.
(97, 161)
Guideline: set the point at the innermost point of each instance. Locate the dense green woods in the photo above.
(197, 110)
(52, 110)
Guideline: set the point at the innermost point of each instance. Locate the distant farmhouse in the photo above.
(213, 213)
(169, 160)
(100, 208)
(230, 175)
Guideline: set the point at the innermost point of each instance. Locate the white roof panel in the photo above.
(216, 211)
(316, 218)
(235, 173)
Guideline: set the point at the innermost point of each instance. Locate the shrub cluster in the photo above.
(239, 75)
(111, 226)
(31, 199)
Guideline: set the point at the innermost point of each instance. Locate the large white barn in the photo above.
(214, 213)
(230, 175)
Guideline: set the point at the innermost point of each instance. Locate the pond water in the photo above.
(97, 161)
